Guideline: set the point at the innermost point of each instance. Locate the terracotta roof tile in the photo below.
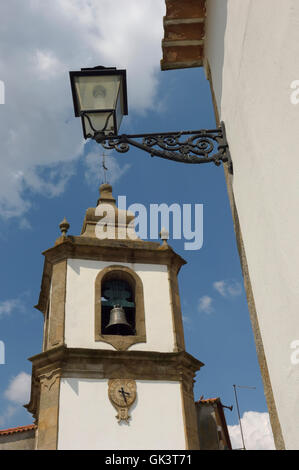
(208, 401)
(29, 427)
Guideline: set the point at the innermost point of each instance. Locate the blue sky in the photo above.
(220, 333)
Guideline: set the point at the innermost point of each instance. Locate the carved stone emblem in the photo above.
(47, 380)
(122, 394)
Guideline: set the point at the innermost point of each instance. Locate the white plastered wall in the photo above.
(87, 418)
(252, 48)
(80, 302)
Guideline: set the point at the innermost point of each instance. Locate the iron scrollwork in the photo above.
(203, 146)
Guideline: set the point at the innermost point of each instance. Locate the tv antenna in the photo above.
(238, 409)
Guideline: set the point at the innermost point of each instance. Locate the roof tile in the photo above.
(29, 427)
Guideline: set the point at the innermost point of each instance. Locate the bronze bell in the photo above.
(118, 324)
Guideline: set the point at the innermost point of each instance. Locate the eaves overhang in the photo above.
(184, 33)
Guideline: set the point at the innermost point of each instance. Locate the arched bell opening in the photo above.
(128, 300)
(118, 305)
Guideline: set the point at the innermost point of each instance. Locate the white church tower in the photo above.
(114, 373)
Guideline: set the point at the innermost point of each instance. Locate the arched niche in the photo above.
(120, 342)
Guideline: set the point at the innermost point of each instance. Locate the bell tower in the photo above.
(113, 373)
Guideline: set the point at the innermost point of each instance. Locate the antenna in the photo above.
(238, 409)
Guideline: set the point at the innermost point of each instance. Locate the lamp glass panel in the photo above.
(97, 92)
(98, 121)
(119, 112)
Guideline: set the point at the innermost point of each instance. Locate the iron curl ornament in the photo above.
(202, 146)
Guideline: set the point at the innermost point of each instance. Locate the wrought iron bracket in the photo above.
(203, 146)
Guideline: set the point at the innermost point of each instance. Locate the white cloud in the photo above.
(220, 287)
(7, 414)
(24, 224)
(18, 390)
(8, 306)
(94, 173)
(40, 139)
(257, 432)
(228, 289)
(205, 304)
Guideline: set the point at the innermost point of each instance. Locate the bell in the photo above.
(118, 324)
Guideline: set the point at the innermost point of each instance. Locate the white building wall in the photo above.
(87, 418)
(253, 47)
(80, 301)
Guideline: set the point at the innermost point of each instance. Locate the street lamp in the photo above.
(100, 99)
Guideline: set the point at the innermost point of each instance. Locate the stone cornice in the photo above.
(133, 251)
(116, 364)
(126, 251)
